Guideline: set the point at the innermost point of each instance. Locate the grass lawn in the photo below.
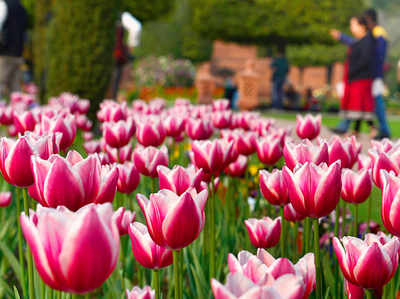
(332, 120)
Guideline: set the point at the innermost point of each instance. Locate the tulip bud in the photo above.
(308, 126)
(273, 187)
(356, 186)
(265, 232)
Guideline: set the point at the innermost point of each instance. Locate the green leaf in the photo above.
(12, 260)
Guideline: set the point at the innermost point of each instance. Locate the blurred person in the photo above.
(121, 57)
(13, 26)
(380, 35)
(280, 66)
(357, 102)
(312, 102)
(292, 96)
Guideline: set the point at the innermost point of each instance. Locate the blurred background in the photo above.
(197, 49)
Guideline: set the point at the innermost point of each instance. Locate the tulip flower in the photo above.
(120, 155)
(64, 124)
(220, 105)
(345, 150)
(45, 145)
(265, 232)
(146, 252)
(356, 186)
(123, 219)
(305, 152)
(118, 134)
(93, 146)
(174, 126)
(25, 121)
(240, 287)
(382, 146)
(87, 136)
(150, 131)
(314, 191)
(353, 291)
(179, 179)
(308, 126)
(73, 181)
(83, 123)
(364, 162)
(148, 159)
(222, 119)
(290, 214)
(269, 150)
(179, 219)
(258, 268)
(384, 161)
(244, 142)
(112, 111)
(273, 187)
(138, 293)
(5, 199)
(237, 168)
(128, 178)
(6, 116)
(199, 129)
(390, 201)
(66, 245)
(367, 264)
(212, 156)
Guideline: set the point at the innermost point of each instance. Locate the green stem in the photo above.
(155, 283)
(20, 242)
(318, 273)
(337, 282)
(74, 296)
(344, 208)
(369, 214)
(212, 230)
(283, 233)
(178, 294)
(307, 233)
(28, 252)
(296, 236)
(337, 217)
(355, 220)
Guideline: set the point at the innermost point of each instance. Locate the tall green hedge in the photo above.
(81, 42)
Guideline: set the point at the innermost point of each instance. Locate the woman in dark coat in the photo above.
(358, 103)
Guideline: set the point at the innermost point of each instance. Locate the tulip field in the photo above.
(175, 200)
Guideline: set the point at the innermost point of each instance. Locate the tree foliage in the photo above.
(145, 10)
(81, 42)
(315, 55)
(271, 21)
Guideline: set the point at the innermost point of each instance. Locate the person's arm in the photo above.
(346, 39)
(381, 48)
(364, 58)
(3, 13)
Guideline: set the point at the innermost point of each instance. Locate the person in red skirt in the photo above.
(357, 103)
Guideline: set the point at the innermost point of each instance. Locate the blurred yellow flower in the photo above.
(253, 169)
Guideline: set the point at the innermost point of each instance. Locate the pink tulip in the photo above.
(290, 214)
(222, 119)
(308, 126)
(199, 129)
(174, 126)
(265, 232)
(305, 152)
(66, 245)
(45, 145)
(390, 202)
(237, 168)
(25, 121)
(367, 264)
(87, 136)
(239, 286)
(146, 252)
(15, 161)
(64, 124)
(118, 134)
(244, 142)
(384, 161)
(147, 159)
(112, 111)
(93, 146)
(5, 199)
(6, 115)
(178, 220)
(179, 179)
(220, 105)
(273, 187)
(356, 186)
(269, 150)
(123, 219)
(345, 150)
(353, 291)
(150, 131)
(212, 155)
(120, 155)
(83, 123)
(383, 145)
(137, 293)
(73, 181)
(128, 178)
(364, 162)
(314, 191)
(261, 267)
